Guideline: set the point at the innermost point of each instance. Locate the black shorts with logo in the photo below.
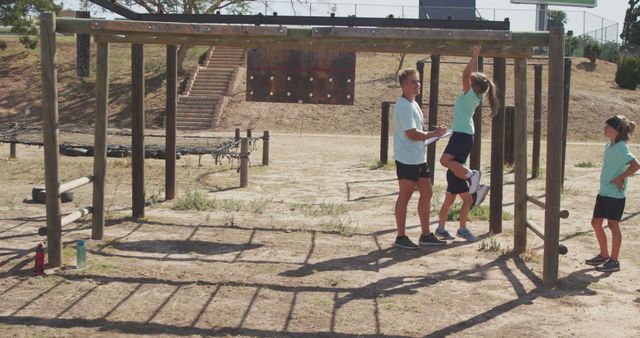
(412, 171)
(459, 147)
(609, 207)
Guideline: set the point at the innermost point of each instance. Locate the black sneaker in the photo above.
(609, 266)
(431, 239)
(597, 260)
(405, 243)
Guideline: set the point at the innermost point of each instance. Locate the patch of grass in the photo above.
(193, 200)
(322, 209)
(229, 220)
(257, 206)
(480, 213)
(507, 216)
(98, 268)
(585, 164)
(156, 196)
(489, 244)
(340, 225)
(378, 165)
(229, 205)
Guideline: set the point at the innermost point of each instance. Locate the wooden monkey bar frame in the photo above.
(497, 44)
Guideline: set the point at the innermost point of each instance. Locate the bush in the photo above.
(592, 50)
(628, 72)
(610, 51)
(3, 45)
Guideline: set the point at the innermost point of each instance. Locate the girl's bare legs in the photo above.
(616, 238)
(444, 210)
(596, 223)
(456, 167)
(467, 201)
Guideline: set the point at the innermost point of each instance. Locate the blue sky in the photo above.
(522, 16)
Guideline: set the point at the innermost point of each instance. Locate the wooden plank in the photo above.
(565, 111)
(520, 156)
(497, 148)
(50, 135)
(74, 216)
(509, 121)
(564, 213)
(410, 33)
(137, 130)
(554, 157)
(384, 133)
(337, 45)
(73, 184)
(434, 90)
(171, 111)
(100, 140)
(476, 149)
(537, 121)
(185, 28)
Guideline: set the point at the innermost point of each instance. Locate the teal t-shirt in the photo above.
(406, 116)
(463, 111)
(616, 161)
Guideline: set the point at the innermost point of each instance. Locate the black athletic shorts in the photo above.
(412, 171)
(609, 208)
(459, 146)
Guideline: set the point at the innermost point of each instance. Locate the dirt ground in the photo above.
(305, 250)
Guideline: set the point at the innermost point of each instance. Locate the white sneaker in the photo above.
(481, 194)
(474, 181)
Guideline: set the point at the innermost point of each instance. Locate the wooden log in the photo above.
(537, 121)
(186, 29)
(100, 141)
(497, 148)
(562, 249)
(249, 133)
(384, 133)
(434, 88)
(410, 33)
(12, 150)
(74, 216)
(564, 213)
(137, 130)
(265, 147)
(50, 135)
(244, 162)
(565, 111)
(237, 136)
(554, 157)
(83, 49)
(520, 156)
(68, 186)
(509, 121)
(171, 111)
(476, 150)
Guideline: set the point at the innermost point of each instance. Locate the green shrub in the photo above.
(193, 199)
(628, 72)
(3, 45)
(592, 51)
(610, 51)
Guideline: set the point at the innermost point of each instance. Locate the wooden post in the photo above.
(520, 160)
(171, 108)
(244, 162)
(50, 135)
(537, 121)
(83, 49)
(237, 137)
(554, 157)
(476, 150)
(12, 150)
(509, 124)
(434, 87)
(384, 133)
(248, 133)
(565, 111)
(137, 129)
(265, 148)
(497, 148)
(420, 69)
(100, 140)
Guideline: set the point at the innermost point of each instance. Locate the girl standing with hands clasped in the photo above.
(619, 163)
(474, 85)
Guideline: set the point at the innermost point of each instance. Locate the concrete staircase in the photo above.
(209, 87)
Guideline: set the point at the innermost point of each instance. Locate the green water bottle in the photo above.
(81, 254)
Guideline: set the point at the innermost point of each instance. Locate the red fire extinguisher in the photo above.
(38, 270)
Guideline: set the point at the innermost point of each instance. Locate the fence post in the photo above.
(12, 145)
(497, 148)
(170, 125)
(237, 137)
(265, 148)
(100, 140)
(520, 168)
(384, 133)
(137, 130)
(509, 123)
(537, 121)
(244, 162)
(476, 150)
(434, 87)
(565, 111)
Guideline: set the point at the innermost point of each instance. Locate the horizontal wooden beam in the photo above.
(184, 28)
(74, 216)
(564, 213)
(409, 33)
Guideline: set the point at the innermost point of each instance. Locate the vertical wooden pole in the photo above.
(497, 148)
(83, 49)
(565, 111)
(50, 135)
(554, 157)
(420, 68)
(248, 133)
(137, 129)
(537, 121)
(244, 162)
(12, 150)
(434, 87)
(520, 160)
(100, 140)
(476, 150)
(237, 136)
(509, 124)
(265, 148)
(384, 133)
(171, 108)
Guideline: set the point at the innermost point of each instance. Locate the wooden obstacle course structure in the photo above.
(438, 41)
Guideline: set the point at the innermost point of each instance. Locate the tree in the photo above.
(631, 26)
(21, 16)
(556, 18)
